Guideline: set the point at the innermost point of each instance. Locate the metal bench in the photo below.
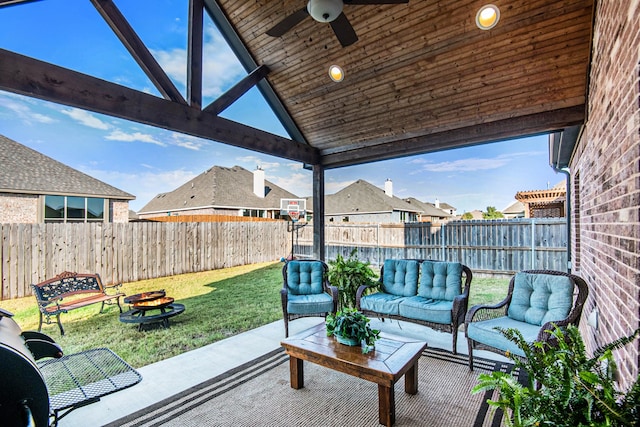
(63, 293)
(40, 386)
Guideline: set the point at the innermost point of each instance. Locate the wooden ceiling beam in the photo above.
(517, 127)
(194, 53)
(117, 22)
(239, 89)
(38, 79)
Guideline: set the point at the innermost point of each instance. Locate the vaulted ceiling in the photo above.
(421, 77)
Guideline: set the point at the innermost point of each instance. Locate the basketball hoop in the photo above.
(294, 215)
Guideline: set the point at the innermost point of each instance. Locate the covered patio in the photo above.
(421, 77)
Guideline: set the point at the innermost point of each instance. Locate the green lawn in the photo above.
(219, 304)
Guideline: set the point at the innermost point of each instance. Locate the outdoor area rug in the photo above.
(258, 393)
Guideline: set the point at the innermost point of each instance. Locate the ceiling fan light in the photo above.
(336, 73)
(324, 10)
(487, 17)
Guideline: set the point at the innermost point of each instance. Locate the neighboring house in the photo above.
(544, 203)
(221, 191)
(364, 202)
(446, 207)
(514, 210)
(429, 212)
(35, 188)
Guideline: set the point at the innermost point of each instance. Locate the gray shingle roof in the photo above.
(362, 197)
(26, 171)
(427, 208)
(219, 187)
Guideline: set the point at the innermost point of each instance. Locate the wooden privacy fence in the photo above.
(488, 246)
(31, 253)
(121, 252)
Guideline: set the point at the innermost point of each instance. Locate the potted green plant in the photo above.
(566, 387)
(348, 275)
(350, 327)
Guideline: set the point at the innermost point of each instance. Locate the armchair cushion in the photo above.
(309, 304)
(485, 332)
(540, 298)
(429, 310)
(400, 277)
(305, 278)
(440, 280)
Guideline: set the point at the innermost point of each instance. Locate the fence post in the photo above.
(533, 243)
(442, 244)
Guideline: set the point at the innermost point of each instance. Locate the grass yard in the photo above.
(219, 304)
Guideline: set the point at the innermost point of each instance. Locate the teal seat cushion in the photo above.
(540, 298)
(381, 302)
(400, 277)
(484, 332)
(305, 278)
(309, 304)
(427, 309)
(440, 280)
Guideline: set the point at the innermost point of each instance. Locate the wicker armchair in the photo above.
(306, 291)
(536, 301)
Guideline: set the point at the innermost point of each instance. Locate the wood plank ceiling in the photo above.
(422, 77)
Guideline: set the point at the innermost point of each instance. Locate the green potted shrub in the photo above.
(350, 327)
(347, 275)
(566, 387)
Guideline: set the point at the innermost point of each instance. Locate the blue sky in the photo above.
(145, 161)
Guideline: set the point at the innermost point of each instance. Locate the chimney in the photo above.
(437, 203)
(258, 182)
(388, 188)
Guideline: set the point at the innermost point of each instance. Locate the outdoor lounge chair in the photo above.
(536, 301)
(306, 291)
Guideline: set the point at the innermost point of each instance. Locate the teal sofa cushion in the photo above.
(427, 309)
(305, 278)
(309, 304)
(540, 298)
(381, 302)
(400, 277)
(440, 280)
(485, 331)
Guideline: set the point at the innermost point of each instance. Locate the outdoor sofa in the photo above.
(426, 292)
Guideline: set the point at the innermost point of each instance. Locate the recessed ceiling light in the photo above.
(487, 17)
(336, 73)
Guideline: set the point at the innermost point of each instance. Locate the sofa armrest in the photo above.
(361, 290)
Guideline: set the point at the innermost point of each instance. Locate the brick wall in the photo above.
(17, 208)
(119, 210)
(606, 235)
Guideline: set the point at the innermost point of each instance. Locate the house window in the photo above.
(73, 209)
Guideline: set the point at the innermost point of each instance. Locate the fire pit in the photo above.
(143, 304)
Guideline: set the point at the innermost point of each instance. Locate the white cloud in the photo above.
(19, 108)
(187, 141)
(85, 118)
(118, 135)
(220, 67)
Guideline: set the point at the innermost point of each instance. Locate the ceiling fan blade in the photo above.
(375, 1)
(288, 23)
(344, 31)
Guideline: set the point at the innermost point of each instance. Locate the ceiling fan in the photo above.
(327, 11)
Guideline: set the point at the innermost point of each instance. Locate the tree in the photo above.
(492, 213)
(467, 215)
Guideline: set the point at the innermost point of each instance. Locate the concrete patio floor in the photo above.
(168, 377)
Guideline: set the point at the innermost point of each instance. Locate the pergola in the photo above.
(421, 77)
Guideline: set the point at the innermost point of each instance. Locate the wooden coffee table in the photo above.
(392, 358)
